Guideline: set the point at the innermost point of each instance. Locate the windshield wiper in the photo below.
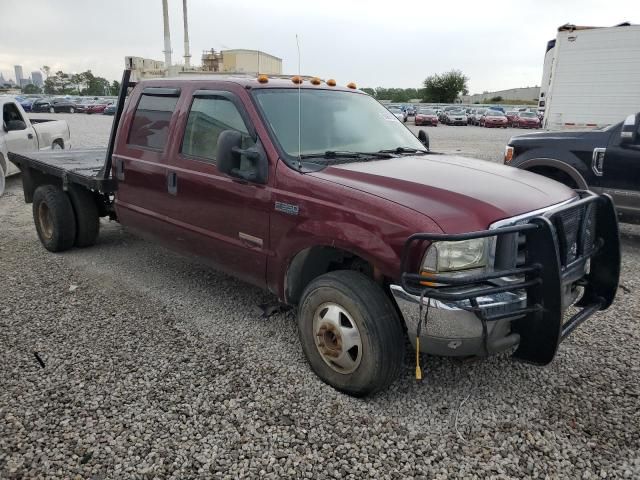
(332, 154)
(399, 150)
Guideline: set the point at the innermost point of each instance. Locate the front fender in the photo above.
(383, 253)
(566, 162)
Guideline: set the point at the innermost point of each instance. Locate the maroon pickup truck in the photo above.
(320, 195)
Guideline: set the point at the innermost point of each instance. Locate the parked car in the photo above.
(526, 120)
(110, 110)
(456, 117)
(605, 160)
(26, 103)
(426, 116)
(494, 118)
(83, 104)
(462, 257)
(411, 110)
(511, 115)
(397, 111)
(55, 105)
(475, 120)
(98, 107)
(22, 134)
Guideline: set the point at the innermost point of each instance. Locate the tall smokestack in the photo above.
(167, 36)
(187, 56)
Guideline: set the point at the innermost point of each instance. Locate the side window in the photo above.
(150, 126)
(208, 117)
(10, 113)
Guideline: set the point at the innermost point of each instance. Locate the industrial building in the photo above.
(526, 94)
(225, 61)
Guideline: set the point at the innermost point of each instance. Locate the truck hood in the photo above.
(459, 194)
(570, 135)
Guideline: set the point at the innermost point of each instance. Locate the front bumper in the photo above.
(570, 251)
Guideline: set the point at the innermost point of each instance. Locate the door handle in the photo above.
(172, 183)
(30, 136)
(120, 169)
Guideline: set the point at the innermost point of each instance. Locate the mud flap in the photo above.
(540, 332)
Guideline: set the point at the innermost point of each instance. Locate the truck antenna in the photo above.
(299, 109)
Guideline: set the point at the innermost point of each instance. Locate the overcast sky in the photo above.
(497, 44)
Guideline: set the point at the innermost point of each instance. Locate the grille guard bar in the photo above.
(540, 323)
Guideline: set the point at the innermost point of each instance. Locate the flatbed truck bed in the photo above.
(83, 167)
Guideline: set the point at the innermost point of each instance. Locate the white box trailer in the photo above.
(591, 76)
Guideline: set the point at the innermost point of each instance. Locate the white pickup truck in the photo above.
(21, 134)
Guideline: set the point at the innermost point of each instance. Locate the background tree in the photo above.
(46, 71)
(31, 88)
(444, 88)
(115, 87)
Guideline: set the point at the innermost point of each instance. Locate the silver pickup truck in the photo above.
(21, 134)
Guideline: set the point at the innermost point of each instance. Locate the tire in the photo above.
(87, 216)
(2, 180)
(343, 304)
(72, 110)
(52, 110)
(54, 218)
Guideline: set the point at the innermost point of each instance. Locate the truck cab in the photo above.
(320, 195)
(21, 134)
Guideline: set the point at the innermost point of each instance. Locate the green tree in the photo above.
(370, 91)
(496, 99)
(31, 88)
(444, 88)
(46, 70)
(115, 87)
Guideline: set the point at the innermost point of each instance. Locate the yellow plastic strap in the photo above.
(418, 369)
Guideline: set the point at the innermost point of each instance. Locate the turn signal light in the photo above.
(425, 283)
(331, 82)
(508, 154)
(297, 80)
(315, 81)
(351, 85)
(263, 78)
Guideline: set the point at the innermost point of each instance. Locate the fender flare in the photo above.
(554, 163)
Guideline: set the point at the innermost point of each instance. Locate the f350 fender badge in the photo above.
(287, 208)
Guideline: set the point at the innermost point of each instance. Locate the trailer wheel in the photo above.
(54, 219)
(87, 216)
(350, 333)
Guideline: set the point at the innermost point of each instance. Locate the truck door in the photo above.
(225, 219)
(22, 140)
(140, 162)
(620, 170)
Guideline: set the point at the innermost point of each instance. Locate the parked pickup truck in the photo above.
(603, 160)
(21, 135)
(319, 194)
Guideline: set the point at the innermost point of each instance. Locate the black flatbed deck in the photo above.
(83, 167)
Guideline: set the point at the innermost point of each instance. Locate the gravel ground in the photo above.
(157, 367)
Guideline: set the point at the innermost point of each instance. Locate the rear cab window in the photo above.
(150, 125)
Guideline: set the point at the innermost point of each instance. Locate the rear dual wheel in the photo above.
(350, 333)
(65, 219)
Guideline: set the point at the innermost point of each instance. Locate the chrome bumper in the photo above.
(451, 330)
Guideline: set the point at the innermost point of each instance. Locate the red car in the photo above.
(494, 118)
(526, 120)
(426, 116)
(98, 107)
(511, 116)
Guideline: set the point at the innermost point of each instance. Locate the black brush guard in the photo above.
(543, 275)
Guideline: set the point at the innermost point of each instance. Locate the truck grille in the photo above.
(576, 235)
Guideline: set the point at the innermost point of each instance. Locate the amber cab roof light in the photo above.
(351, 85)
(331, 82)
(296, 79)
(263, 78)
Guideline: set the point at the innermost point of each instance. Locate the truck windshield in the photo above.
(331, 121)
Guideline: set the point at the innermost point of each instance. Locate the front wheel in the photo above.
(52, 110)
(350, 333)
(72, 110)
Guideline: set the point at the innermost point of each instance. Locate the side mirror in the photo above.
(424, 138)
(629, 132)
(13, 125)
(247, 164)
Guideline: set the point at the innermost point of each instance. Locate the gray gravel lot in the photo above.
(157, 367)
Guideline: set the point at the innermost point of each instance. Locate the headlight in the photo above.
(452, 256)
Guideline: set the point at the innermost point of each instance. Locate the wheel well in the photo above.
(315, 261)
(555, 174)
(59, 141)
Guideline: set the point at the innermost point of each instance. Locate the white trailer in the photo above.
(591, 76)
